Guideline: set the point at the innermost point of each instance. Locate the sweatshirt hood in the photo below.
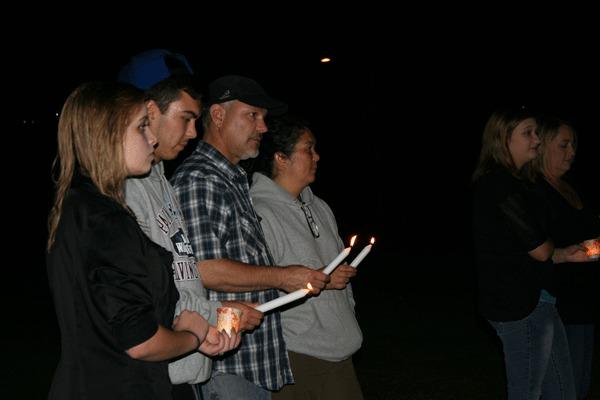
(265, 187)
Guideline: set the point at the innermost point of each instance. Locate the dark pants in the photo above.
(320, 379)
(183, 392)
(581, 346)
(232, 387)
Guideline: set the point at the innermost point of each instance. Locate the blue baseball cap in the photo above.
(146, 69)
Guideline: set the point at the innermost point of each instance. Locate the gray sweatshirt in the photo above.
(157, 211)
(324, 326)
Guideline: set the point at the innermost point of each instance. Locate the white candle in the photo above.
(362, 254)
(281, 300)
(336, 261)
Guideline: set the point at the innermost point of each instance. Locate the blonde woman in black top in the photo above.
(514, 259)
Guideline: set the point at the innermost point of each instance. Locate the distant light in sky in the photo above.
(56, 114)
(325, 59)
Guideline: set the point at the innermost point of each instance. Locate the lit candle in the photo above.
(592, 248)
(340, 257)
(362, 254)
(282, 300)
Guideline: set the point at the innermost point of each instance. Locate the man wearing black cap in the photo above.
(228, 241)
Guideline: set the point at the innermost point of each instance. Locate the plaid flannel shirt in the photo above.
(215, 200)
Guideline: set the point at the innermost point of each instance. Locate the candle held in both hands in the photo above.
(592, 248)
(285, 299)
(340, 257)
(336, 261)
(362, 254)
(228, 318)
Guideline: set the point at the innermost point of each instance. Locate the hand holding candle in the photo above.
(340, 257)
(362, 254)
(285, 299)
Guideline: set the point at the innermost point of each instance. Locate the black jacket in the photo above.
(112, 287)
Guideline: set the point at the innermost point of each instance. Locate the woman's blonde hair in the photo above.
(494, 142)
(91, 129)
(548, 128)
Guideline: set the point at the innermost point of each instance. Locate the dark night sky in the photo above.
(398, 115)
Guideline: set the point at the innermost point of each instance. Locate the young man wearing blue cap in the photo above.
(173, 106)
(146, 69)
(228, 241)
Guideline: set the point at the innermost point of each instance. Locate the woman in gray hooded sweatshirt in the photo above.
(321, 332)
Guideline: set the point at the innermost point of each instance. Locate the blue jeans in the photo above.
(232, 387)
(581, 346)
(536, 356)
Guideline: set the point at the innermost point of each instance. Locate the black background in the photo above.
(398, 119)
(398, 115)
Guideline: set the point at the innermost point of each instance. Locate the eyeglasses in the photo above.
(314, 229)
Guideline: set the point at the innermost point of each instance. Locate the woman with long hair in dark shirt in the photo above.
(514, 259)
(569, 219)
(112, 287)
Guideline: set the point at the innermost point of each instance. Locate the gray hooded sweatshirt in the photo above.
(155, 206)
(324, 326)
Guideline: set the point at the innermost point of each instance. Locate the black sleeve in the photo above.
(119, 280)
(521, 220)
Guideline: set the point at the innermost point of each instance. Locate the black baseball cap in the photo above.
(246, 90)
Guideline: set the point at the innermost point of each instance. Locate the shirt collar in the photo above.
(231, 170)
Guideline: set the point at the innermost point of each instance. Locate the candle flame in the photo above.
(592, 247)
(353, 240)
(372, 239)
(309, 287)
